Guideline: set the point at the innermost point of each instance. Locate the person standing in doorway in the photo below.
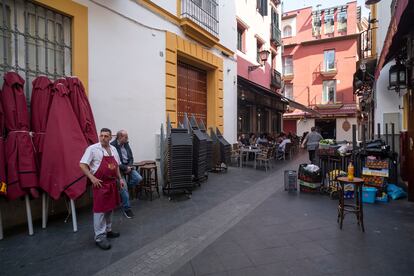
(311, 142)
(121, 144)
(100, 163)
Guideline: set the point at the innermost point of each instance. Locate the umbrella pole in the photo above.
(1, 227)
(45, 210)
(73, 211)
(29, 215)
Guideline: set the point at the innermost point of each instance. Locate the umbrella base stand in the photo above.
(29, 215)
(74, 219)
(1, 227)
(45, 210)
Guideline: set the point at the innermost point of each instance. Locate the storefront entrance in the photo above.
(192, 92)
(327, 128)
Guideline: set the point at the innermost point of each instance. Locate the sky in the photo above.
(289, 5)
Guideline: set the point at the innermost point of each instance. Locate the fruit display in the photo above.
(377, 164)
(376, 181)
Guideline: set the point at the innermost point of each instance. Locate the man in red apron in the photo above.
(100, 163)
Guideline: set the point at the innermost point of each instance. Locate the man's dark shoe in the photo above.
(128, 213)
(103, 244)
(112, 235)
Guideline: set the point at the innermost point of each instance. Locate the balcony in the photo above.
(365, 49)
(199, 20)
(276, 79)
(328, 71)
(275, 36)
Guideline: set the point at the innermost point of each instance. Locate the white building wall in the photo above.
(289, 22)
(258, 25)
(387, 101)
(127, 70)
(304, 125)
(341, 134)
(384, 18)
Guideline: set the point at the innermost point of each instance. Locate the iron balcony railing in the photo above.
(203, 12)
(276, 37)
(276, 79)
(365, 44)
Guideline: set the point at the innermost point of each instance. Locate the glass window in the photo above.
(329, 60)
(258, 49)
(34, 41)
(342, 20)
(287, 65)
(316, 25)
(329, 92)
(329, 23)
(289, 91)
(240, 36)
(287, 31)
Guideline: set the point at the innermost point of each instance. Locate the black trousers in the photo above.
(312, 155)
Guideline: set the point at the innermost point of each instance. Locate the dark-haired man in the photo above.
(100, 163)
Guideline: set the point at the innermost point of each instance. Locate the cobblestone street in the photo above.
(237, 223)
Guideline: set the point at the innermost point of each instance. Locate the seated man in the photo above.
(125, 153)
(282, 144)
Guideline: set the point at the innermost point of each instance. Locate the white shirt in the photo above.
(282, 145)
(94, 154)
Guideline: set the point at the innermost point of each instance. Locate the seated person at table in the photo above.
(262, 140)
(252, 139)
(282, 145)
(243, 141)
(125, 153)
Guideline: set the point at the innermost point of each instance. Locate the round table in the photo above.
(357, 207)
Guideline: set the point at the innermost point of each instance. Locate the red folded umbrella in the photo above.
(40, 104)
(19, 151)
(64, 145)
(82, 109)
(2, 156)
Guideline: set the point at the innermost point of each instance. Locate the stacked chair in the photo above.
(209, 147)
(221, 151)
(179, 161)
(199, 152)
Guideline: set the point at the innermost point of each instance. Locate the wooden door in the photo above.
(192, 92)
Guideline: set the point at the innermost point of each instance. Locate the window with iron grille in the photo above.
(203, 12)
(329, 23)
(316, 23)
(34, 41)
(262, 7)
(342, 20)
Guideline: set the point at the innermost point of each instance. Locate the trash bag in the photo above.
(310, 173)
(395, 192)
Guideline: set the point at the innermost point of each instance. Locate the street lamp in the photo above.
(264, 54)
(397, 77)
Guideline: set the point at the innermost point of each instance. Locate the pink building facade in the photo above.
(320, 52)
(260, 105)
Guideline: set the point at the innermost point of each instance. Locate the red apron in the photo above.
(106, 198)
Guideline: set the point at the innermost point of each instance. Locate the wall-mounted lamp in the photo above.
(397, 77)
(264, 54)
